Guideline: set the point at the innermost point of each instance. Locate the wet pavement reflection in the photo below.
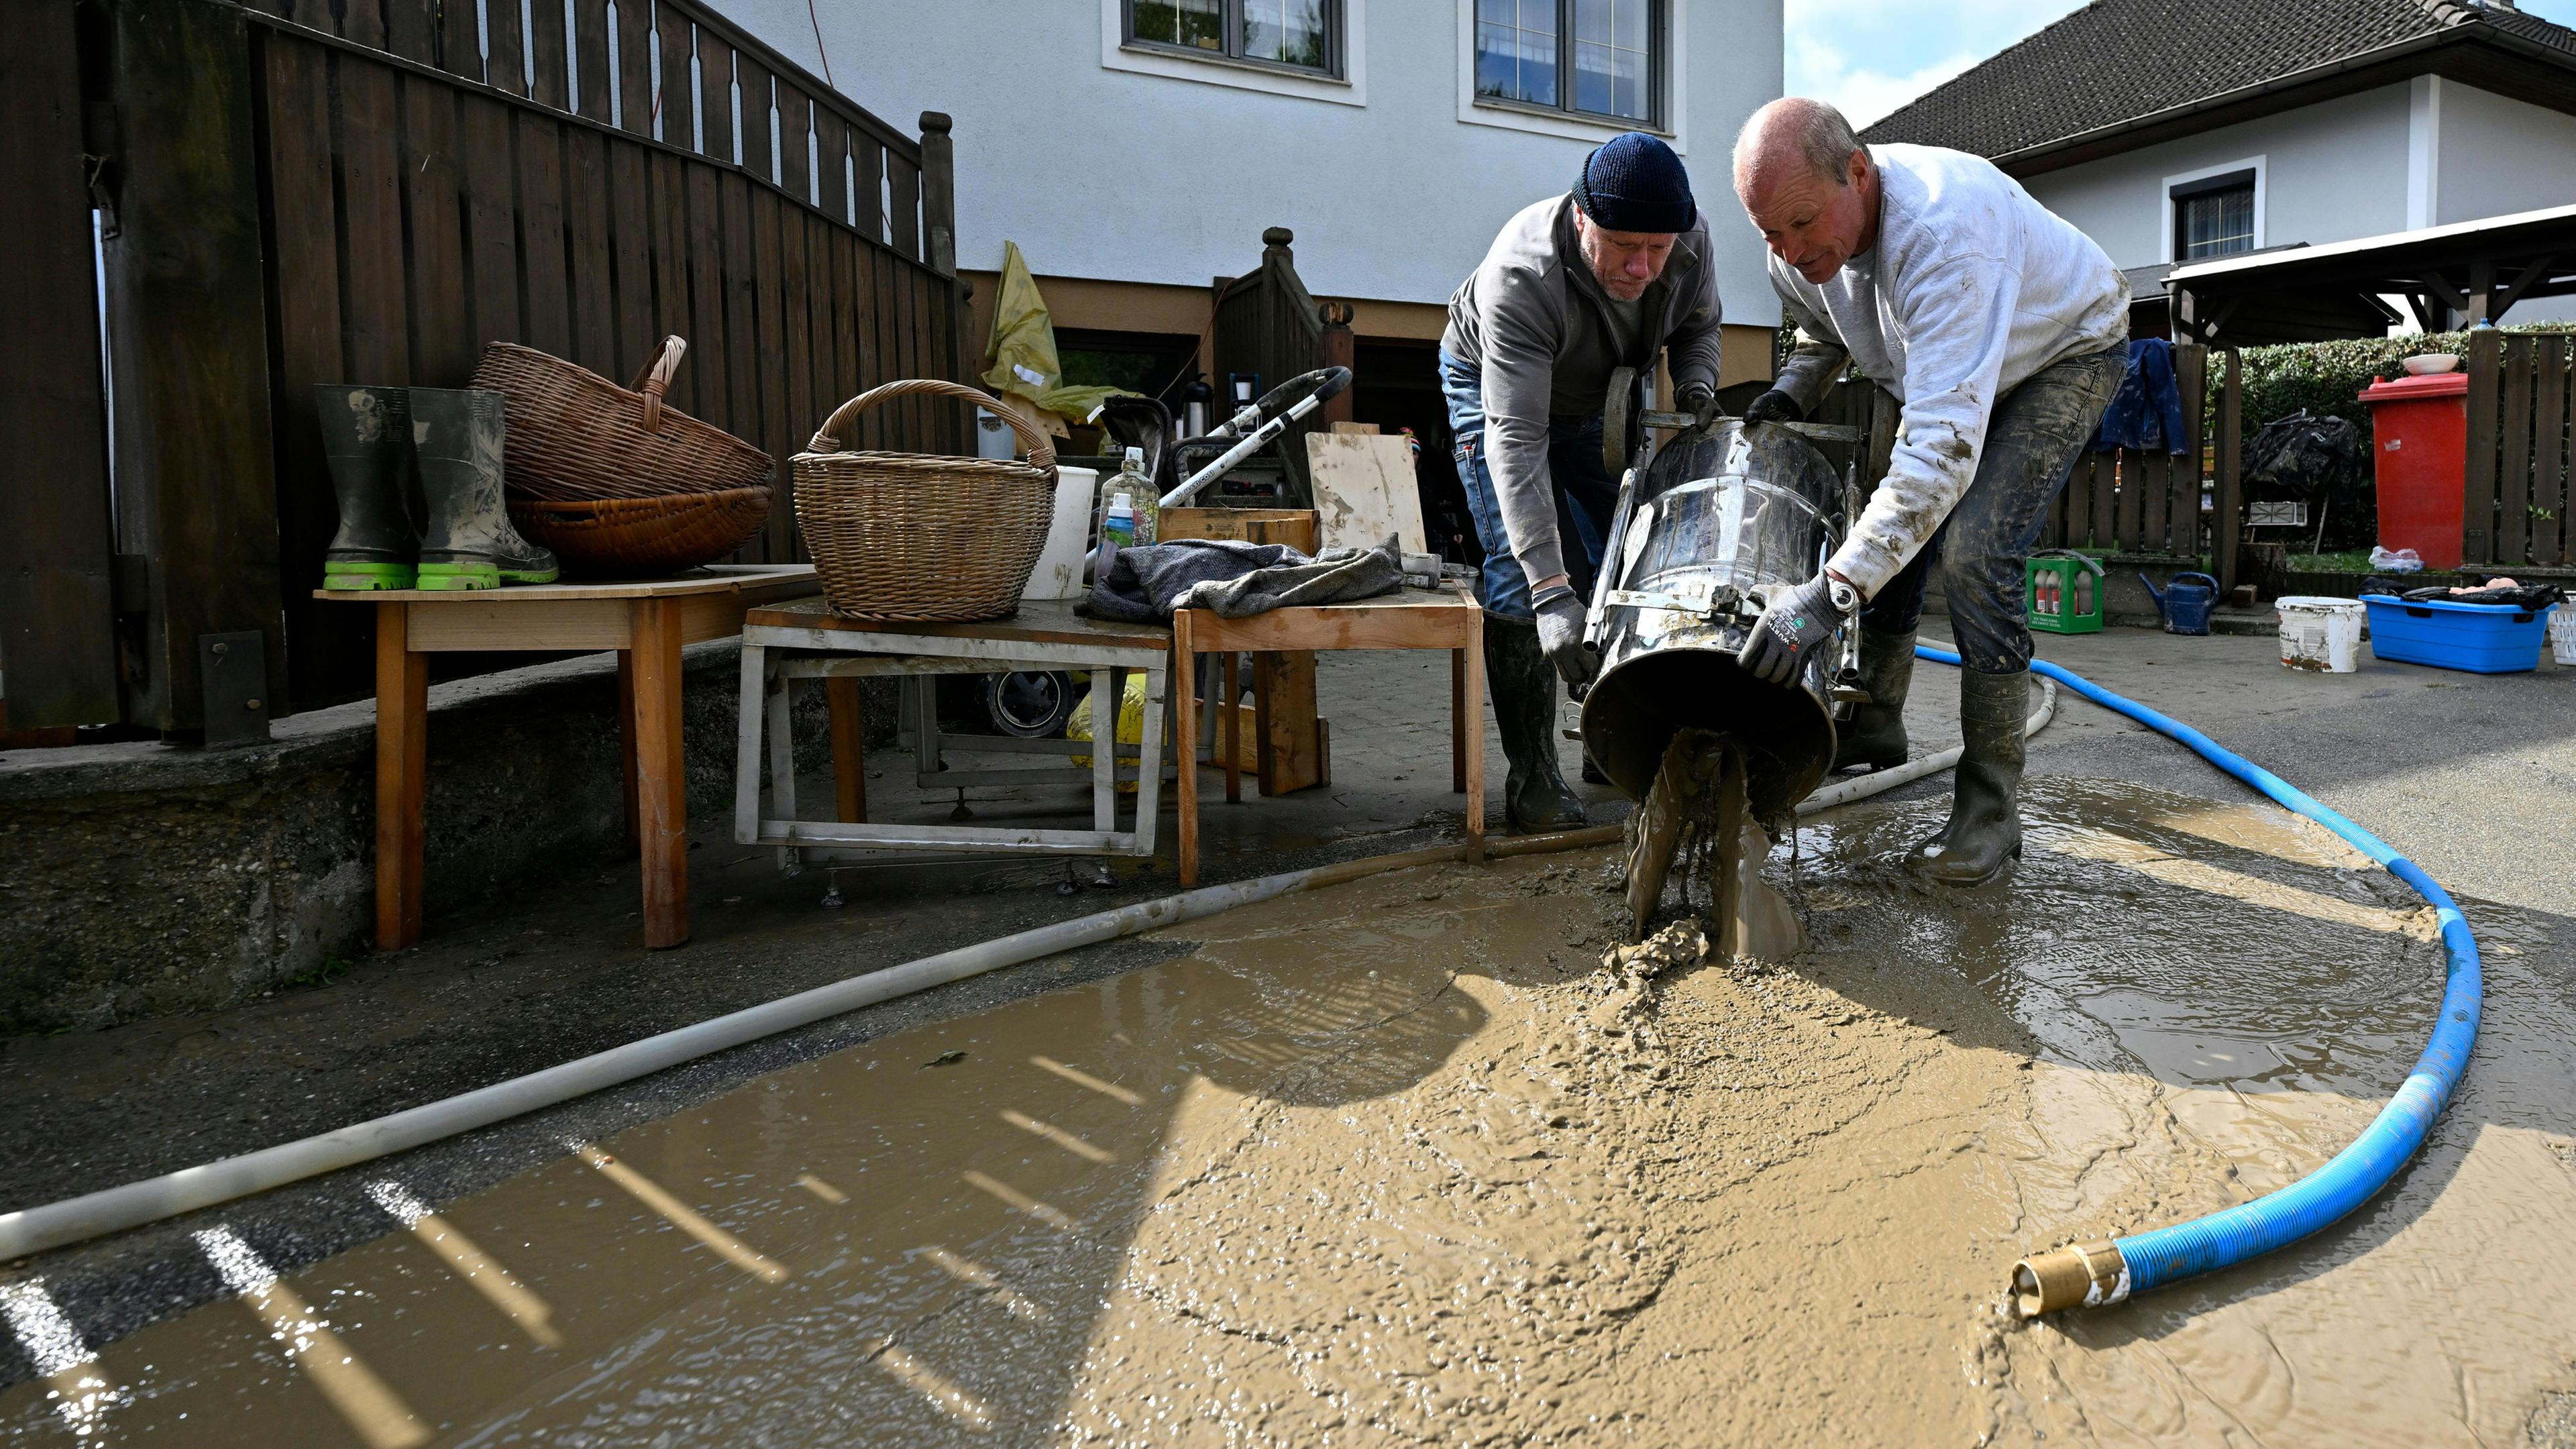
(1395, 1162)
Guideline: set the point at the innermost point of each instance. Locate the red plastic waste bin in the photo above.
(2419, 427)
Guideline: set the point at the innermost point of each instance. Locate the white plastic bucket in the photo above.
(2322, 636)
(1059, 571)
(2562, 634)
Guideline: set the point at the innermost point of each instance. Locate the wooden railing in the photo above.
(312, 191)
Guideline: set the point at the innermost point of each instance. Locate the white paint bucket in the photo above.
(2321, 635)
(1059, 571)
(2562, 634)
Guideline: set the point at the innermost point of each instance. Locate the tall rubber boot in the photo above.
(1874, 737)
(366, 438)
(1523, 684)
(469, 543)
(1983, 837)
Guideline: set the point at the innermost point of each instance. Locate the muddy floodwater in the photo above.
(1397, 1162)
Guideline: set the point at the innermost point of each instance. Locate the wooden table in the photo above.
(646, 623)
(1412, 619)
(805, 640)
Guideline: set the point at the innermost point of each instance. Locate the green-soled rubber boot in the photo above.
(469, 544)
(366, 438)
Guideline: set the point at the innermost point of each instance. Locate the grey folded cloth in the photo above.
(1145, 584)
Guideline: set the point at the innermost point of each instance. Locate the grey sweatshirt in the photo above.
(1535, 322)
(1971, 288)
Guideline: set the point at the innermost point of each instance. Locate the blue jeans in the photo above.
(2032, 442)
(1586, 495)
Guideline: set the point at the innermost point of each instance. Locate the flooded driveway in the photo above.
(1396, 1162)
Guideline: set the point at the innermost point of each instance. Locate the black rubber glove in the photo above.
(1696, 398)
(1560, 633)
(1795, 624)
(1775, 406)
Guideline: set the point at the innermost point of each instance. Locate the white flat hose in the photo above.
(116, 1209)
(1861, 787)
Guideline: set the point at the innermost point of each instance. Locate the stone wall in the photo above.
(144, 879)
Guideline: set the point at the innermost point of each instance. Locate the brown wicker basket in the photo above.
(632, 537)
(575, 435)
(910, 536)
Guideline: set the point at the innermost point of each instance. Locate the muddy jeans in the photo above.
(2031, 445)
(1586, 495)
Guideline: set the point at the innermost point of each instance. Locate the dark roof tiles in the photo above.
(2118, 60)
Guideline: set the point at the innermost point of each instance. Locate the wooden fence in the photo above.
(308, 191)
(2137, 504)
(2516, 488)
(1268, 324)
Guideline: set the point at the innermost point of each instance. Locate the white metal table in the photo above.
(806, 641)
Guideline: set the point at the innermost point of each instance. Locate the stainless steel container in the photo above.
(1721, 516)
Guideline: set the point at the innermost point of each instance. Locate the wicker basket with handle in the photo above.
(575, 436)
(911, 536)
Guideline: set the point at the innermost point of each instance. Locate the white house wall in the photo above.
(2501, 155)
(2331, 171)
(1126, 176)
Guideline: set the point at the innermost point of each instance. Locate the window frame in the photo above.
(1659, 47)
(2202, 181)
(1230, 17)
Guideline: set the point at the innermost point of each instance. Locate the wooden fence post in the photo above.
(938, 192)
(57, 638)
(2227, 514)
(187, 298)
(2478, 501)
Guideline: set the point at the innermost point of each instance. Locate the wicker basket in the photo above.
(642, 537)
(574, 435)
(909, 536)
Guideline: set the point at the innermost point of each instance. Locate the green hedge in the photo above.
(2326, 378)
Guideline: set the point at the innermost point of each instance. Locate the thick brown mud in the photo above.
(1403, 1162)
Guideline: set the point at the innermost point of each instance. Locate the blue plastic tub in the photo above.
(2478, 638)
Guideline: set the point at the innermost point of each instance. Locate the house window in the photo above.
(1589, 57)
(1301, 35)
(2214, 216)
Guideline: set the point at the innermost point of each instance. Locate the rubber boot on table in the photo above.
(1874, 737)
(366, 438)
(1522, 681)
(1983, 837)
(469, 543)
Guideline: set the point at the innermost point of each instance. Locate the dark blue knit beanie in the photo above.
(1635, 183)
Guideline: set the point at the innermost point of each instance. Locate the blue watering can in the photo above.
(2185, 606)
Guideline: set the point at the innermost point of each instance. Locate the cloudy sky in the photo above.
(1871, 56)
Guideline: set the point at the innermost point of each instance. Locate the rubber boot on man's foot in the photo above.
(1522, 681)
(1874, 737)
(366, 439)
(469, 543)
(1983, 837)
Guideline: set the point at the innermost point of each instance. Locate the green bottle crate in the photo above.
(2056, 586)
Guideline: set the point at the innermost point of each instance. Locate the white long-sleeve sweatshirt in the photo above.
(1971, 287)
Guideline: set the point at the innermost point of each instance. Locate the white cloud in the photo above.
(1869, 57)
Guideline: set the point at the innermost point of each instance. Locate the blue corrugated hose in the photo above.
(2248, 1230)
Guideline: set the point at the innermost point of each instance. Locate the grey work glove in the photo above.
(1696, 398)
(1775, 406)
(1560, 633)
(1795, 623)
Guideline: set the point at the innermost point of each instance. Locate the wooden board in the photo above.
(56, 610)
(1365, 490)
(1295, 527)
(1288, 738)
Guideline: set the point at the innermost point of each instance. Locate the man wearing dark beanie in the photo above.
(1576, 286)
